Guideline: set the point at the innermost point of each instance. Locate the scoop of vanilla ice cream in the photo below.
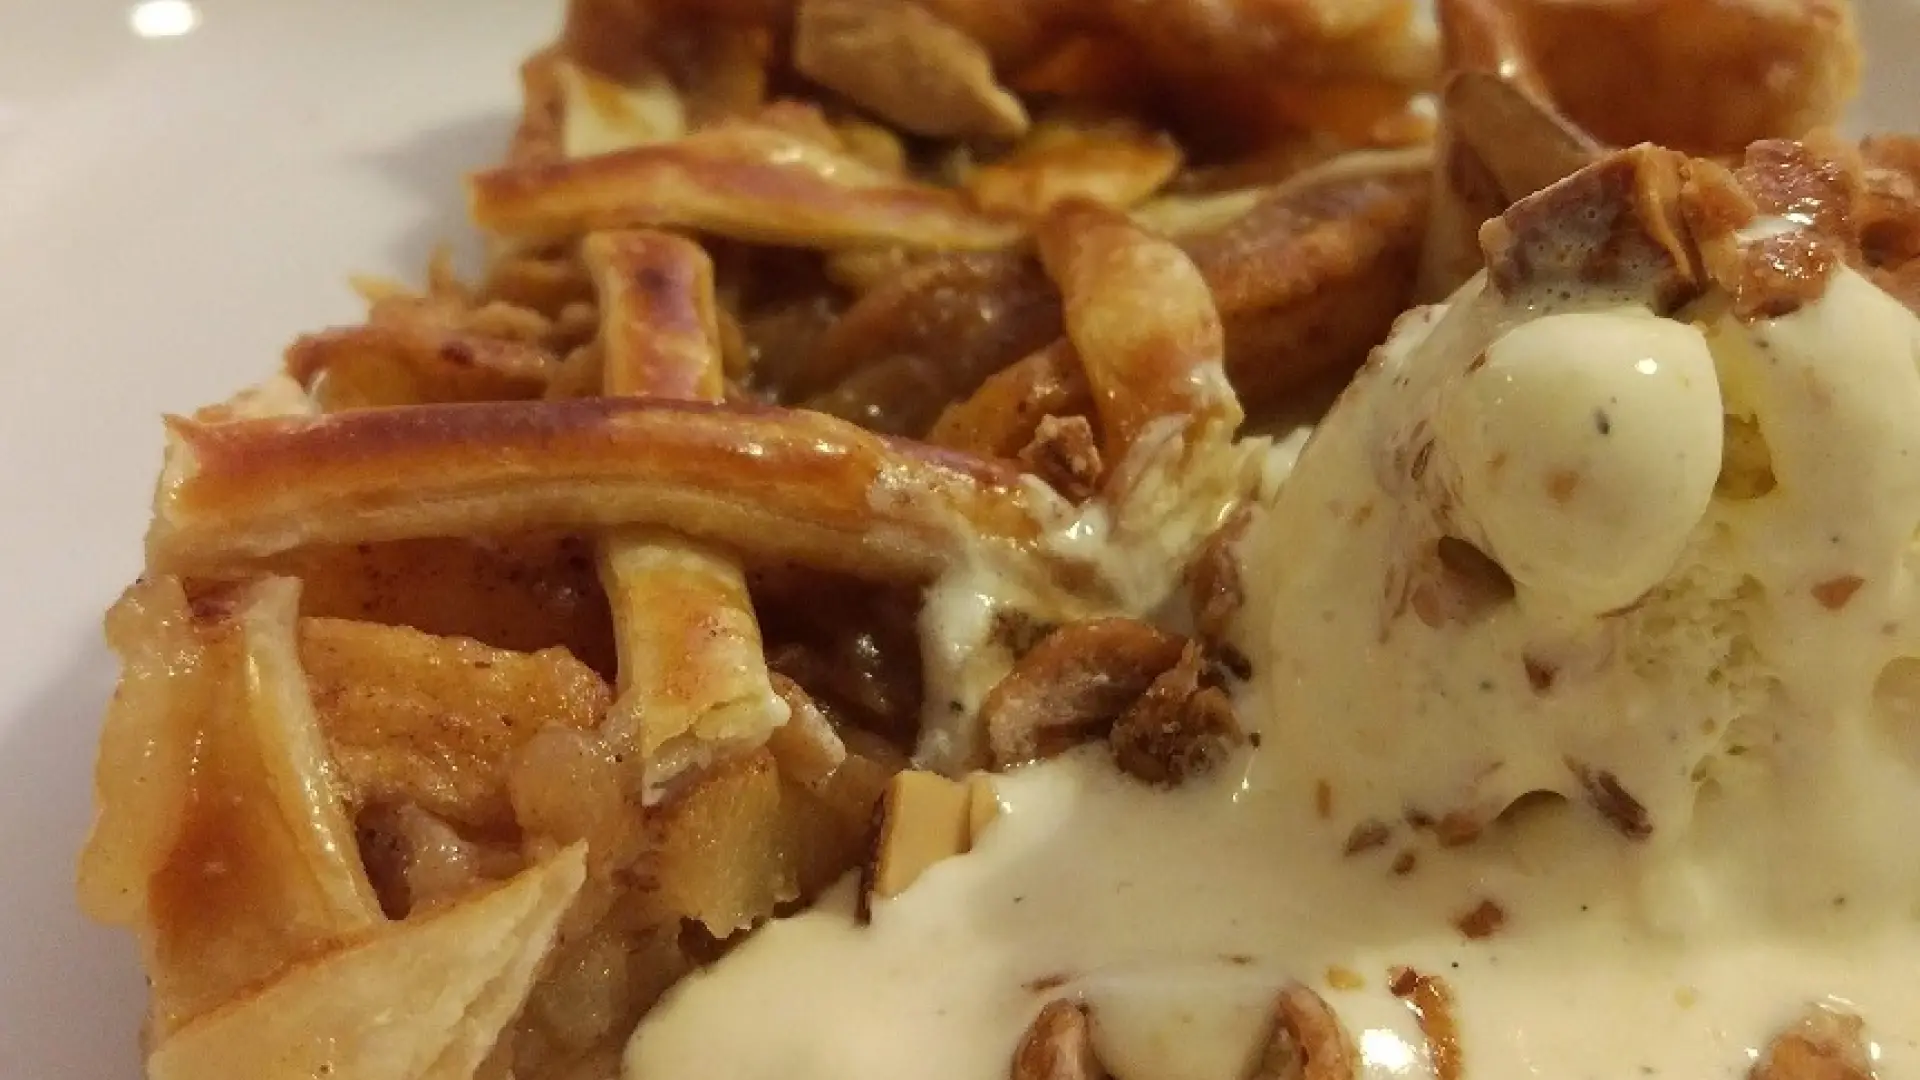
(1586, 446)
(1513, 560)
(1659, 563)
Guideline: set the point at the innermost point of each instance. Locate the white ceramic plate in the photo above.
(174, 207)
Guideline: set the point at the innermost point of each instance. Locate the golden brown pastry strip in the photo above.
(768, 483)
(745, 181)
(1306, 278)
(971, 313)
(692, 674)
(901, 62)
(658, 320)
(1312, 275)
(144, 770)
(427, 997)
(241, 861)
(1001, 417)
(409, 362)
(1115, 163)
(1142, 319)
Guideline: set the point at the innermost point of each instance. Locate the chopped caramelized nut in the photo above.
(1432, 1004)
(1058, 1045)
(1498, 142)
(1458, 828)
(1368, 835)
(1816, 180)
(1213, 579)
(1618, 220)
(1483, 921)
(1072, 687)
(1065, 453)
(1835, 593)
(1825, 1044)
(1178, 728)
(1306, 1042)
(1614, 802)
(1019, 631)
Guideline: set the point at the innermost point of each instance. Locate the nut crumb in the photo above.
(1458, 829)
(1484, 920)
(1177, 729)
(1019, 631)
(1368, 835)
(1826, 1044)
(1562, 484)
(1540, 674)
(1305, 1042)
(1834, 593)
(1065, 454)
(1613, 801)
(1432, 1003)
(1404, 862)
(1071, 687)
(923, 818)
(1058, 1045)
(1345, 978)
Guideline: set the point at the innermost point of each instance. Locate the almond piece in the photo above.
(983, 806)
(1306, 1041)
(924, 818)
(1072, 686)
(1826, 1044)
(1058, 1045)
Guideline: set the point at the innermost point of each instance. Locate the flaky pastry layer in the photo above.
(770, 483)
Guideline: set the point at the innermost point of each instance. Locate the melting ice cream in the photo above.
(1586, 669)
